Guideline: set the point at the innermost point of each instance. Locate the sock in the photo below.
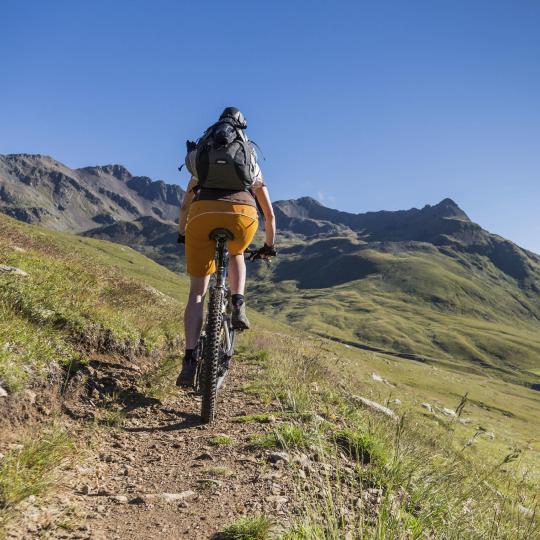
(188, 356)
(237, 300)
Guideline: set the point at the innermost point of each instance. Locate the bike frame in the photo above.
(222, 261)
(219, 286)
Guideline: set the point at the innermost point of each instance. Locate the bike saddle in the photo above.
(221, 233)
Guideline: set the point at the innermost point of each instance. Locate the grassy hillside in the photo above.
(425, 475)
(77, 295)
(458, 310)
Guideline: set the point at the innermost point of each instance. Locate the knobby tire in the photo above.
(211, 357)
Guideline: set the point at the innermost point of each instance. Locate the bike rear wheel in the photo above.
(209, 372)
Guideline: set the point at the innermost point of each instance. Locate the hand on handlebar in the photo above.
(265, 253)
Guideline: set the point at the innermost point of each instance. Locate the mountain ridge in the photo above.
(37, 189)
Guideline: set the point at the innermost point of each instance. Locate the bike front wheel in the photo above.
(209, 372)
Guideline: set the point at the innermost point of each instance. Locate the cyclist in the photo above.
(213, 199)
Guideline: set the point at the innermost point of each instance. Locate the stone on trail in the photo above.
(30, 396)
(376, 377)
(175, 497)
(275, 457)
(449, 412)
(120, 499)
(148, 498)
(210, 482)
(205, 456)
(277, 499)
(303, 461)
(427, 406)
(13, 270)
(377, 407)
(3, 392)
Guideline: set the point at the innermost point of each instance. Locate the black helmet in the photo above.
(236, 115)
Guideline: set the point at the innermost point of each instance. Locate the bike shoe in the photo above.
(187, 375)
(239, 318)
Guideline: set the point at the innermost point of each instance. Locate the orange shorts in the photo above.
(203, 218)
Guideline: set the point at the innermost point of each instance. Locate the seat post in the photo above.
(222, 259)
(221, 236)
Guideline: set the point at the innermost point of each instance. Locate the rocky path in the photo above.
(164, 475)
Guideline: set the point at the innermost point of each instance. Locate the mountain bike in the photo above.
(215, 347)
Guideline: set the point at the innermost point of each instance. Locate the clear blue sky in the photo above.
(364, 105)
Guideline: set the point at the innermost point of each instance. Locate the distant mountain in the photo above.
(443, 225)
(40, 190)
(300, 215)
(426, 283)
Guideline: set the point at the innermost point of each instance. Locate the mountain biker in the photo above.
(207, 208)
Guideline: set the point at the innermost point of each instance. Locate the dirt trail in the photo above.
(160, 476)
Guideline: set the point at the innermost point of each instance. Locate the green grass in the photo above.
(263, 440)
(110, 416)
(459, 311)
(221, 440)
(80, 294)
(286, 436)
(361, 446)
(425, 481)
(293, 436)
(31, 470)
(27, 344)
(248, 528)
(219, 472)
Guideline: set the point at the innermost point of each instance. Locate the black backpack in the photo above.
(224, 157)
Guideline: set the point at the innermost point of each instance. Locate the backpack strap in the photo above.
(257, 203)
(258, 148)
(247, 150)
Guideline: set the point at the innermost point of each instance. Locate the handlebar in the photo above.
(254, 255)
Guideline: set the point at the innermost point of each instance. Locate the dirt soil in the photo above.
(161, 474)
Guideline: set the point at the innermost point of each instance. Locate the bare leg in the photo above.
(193, 315)
(237, 274)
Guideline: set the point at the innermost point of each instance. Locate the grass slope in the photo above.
(455, 308)
(424, 476)
(79, 294)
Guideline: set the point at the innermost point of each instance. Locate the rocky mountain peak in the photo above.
(448, 208)
(308, 201)
(38, 189)
(117, 171)
(157, 190)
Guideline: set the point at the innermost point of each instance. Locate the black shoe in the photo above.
(239, 318)
(187, 375)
